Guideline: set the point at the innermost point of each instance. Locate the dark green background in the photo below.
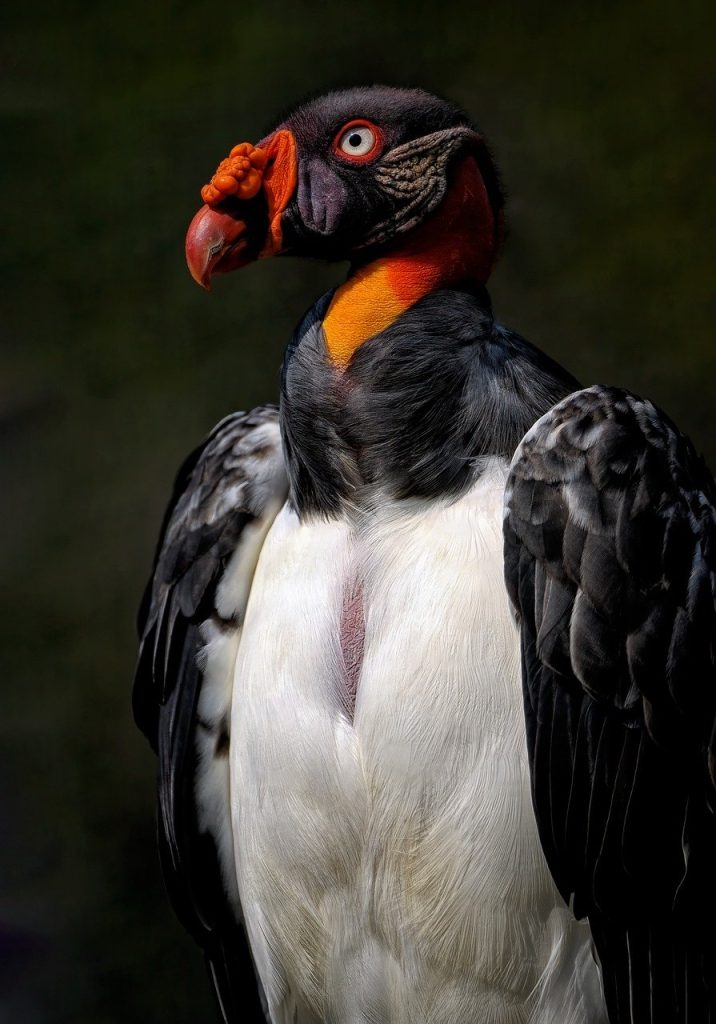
(114, 363)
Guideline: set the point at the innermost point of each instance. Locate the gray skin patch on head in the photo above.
(415, 176)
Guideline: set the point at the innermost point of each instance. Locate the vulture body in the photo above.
(427, 654)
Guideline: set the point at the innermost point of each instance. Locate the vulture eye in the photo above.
(358, 141)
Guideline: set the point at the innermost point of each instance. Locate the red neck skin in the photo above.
(455, 245)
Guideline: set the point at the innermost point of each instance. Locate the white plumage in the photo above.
(400, 846)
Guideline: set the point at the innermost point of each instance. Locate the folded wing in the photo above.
(226, 496)
(610, 558)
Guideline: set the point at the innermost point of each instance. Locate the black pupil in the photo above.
(355, 140)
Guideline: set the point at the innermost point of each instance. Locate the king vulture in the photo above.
(427, 652)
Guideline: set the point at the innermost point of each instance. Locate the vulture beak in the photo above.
(244, 201)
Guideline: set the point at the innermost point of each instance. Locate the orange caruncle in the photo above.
(239, 174)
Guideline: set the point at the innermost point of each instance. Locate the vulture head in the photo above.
(355, 175)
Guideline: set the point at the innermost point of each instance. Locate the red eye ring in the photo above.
(362, 158)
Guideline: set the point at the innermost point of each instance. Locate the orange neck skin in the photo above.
(455, 245)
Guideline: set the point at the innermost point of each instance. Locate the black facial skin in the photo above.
(337, 201)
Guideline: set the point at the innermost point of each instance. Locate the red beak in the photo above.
(215, 242)
(219, 240)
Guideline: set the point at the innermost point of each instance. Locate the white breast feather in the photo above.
(389, 867)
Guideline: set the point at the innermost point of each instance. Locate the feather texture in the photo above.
(389, 863)
(226, 496)
(610, 560)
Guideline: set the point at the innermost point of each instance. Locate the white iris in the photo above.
(357, 141)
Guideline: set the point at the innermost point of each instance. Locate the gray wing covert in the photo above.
(225, 498)
(610, 562)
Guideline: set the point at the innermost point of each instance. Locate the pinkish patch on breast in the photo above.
(352, 641)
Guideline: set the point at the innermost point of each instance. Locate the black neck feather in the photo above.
(419, 407)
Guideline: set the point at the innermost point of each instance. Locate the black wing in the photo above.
(189, 628)
(610, 557)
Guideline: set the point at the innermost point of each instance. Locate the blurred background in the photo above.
(114, 364)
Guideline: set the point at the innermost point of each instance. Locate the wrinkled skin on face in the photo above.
(340, 207)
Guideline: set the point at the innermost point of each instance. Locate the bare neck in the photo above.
(454, 246)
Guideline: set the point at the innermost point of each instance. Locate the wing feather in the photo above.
(225, 497)
(610, 562)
